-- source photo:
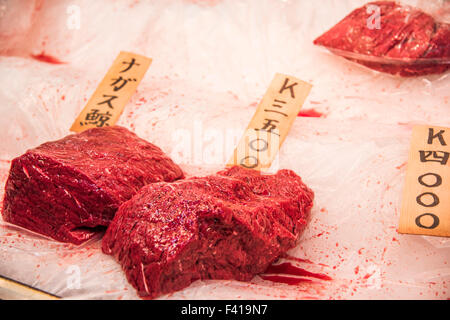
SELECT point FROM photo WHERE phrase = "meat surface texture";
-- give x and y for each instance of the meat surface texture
(406, 42)
(65, 189)
(231, 225)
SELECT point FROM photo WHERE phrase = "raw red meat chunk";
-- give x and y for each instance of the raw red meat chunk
(67, 188)
(231, 225)
(409, 42)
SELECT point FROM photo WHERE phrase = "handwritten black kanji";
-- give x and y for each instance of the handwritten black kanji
(269, 125)
(130, 65)
(441, 157)
(96, 118)
(122, 82)
(108, 101)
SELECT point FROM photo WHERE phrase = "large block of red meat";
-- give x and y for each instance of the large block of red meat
(231, 225)
(65, 189)
(406, 41)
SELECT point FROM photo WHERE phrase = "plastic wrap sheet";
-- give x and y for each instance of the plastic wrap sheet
(213, 60)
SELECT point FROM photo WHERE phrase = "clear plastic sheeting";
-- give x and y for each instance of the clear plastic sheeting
(212, 62)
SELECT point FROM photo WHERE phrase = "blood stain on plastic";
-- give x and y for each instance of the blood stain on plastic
(289, 269)
(310, 113)
(42, 57)
(286, 280)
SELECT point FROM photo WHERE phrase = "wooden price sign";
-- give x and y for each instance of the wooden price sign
(14, 290)
(271, 122)
(426, 195)
(113, 93)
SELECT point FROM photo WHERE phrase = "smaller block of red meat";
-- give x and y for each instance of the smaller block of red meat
(409, 42)
(65, 189)
(231, 225)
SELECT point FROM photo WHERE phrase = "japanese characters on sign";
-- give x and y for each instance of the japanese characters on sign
(270, 124)
(426, 196)
(109, 99)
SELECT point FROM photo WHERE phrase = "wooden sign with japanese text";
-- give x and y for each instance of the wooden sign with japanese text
(270, 124)
(426, 195)
(109, 99)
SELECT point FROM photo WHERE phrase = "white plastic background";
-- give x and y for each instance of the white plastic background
(212, 62)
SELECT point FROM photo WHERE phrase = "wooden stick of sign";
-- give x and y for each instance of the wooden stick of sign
(426, 195)
(271, 123)
(14, 290)
(113, 93)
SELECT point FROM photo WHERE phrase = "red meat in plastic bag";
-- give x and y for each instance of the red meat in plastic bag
(408, 42)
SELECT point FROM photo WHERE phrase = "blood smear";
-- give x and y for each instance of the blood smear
(310, 113)
(289, 257)
(46, 58)
(287, 268)
(286, 280)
